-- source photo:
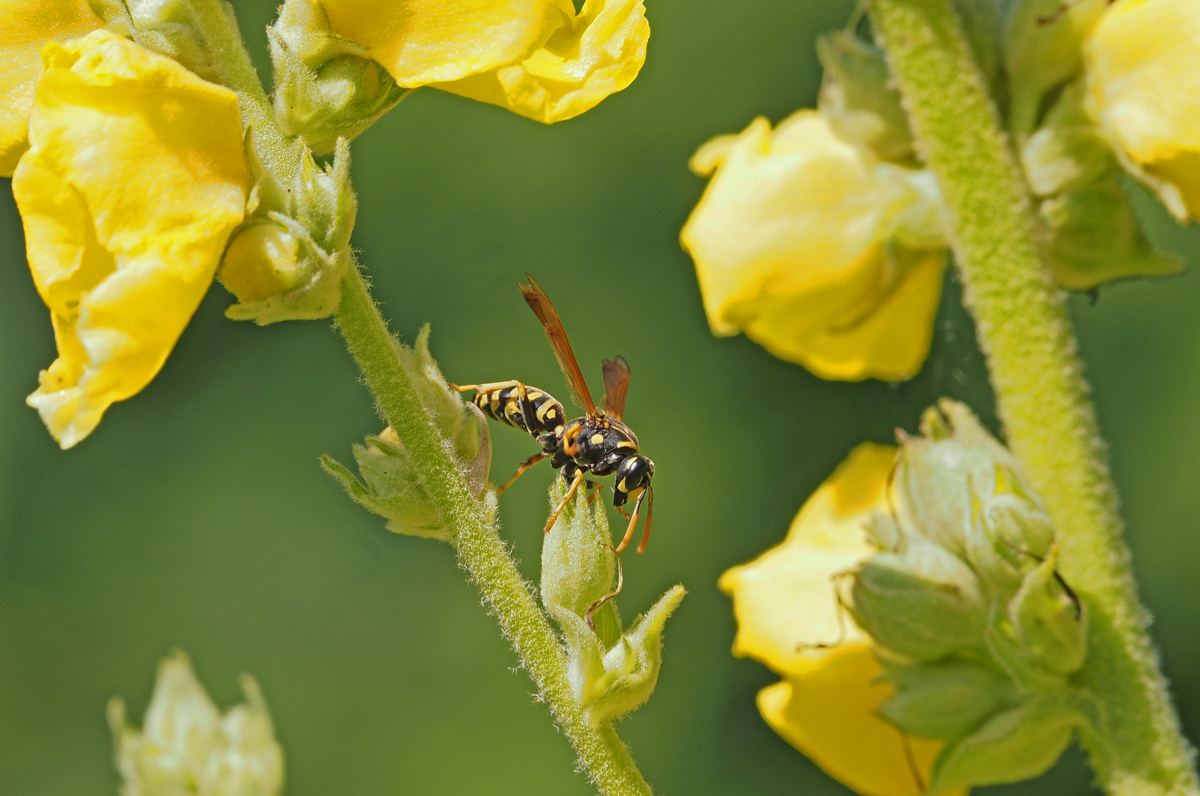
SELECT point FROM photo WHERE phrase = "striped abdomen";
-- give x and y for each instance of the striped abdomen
(504, 404)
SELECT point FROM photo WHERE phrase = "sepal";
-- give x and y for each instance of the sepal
(187, 747)
(1049, 620)
(858, 100)
(944, 700)
(288, 260)
(326, 87)
(389, 484)
(612, 672)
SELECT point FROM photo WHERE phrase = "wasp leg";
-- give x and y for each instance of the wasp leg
(575, 482)
(530, 462)
(632, 523)
(607, 597)
(649, 518)
(596, 485)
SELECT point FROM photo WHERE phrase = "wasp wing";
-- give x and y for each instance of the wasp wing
(616, 386)
(539, 302)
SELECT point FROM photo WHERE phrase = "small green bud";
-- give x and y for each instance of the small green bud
(326, 87)
(1013, 745)
(390, 484)
(944, 700)
(858, 100)
(288, 259)
(1049, 621)
(163, 26)
(1067, 151)
(922, 602)
(187, 747)
(1043, 43)
(611, 672)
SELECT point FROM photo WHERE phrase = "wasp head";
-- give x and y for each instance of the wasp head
(633, 475)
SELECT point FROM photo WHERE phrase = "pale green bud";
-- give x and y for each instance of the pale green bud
(164, 26)
(186, 748)
(1067, 151)
(289, 257)
(858, 100)
(1013, 745)
(326, 87)
(611, 672)
(943, 700)
(1049, 621)
(1043, 43)
(922, 602)
(390, 484)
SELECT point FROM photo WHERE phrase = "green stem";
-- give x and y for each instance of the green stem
(1135, 745)
(478, 545)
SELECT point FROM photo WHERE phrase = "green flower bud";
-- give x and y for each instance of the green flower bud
(1013, 745)
(162, 26)
(922, 602)
(944, 700)
(1043, 43)
(288, 259)
(1049, 621)
(611, 672)
(187, 747)
(326, 87)
(391, 484)
(858, 100)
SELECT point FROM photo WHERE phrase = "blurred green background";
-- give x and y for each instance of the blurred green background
(197, 515)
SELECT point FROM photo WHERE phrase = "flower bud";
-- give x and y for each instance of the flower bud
(1042, 48)
(858, 100)
(1013, 745)
(326, 87)
(943, 700)
(390, 484)
(288, 260)
(923, 602)
(187, 747)
(611, 672)
(1049, 620)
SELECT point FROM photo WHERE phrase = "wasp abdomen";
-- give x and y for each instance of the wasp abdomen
(504, 404)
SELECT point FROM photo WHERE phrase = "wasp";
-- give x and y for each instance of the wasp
(597, 444)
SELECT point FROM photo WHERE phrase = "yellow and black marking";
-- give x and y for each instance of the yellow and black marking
(534, 411)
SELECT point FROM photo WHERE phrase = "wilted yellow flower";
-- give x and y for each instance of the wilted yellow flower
(134, 179)
(817, 251)
(1143, 75)
(26, 25)
(538, 58)
(786, 607)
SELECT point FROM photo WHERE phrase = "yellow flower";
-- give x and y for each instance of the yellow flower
(786, 605)
(25, 25)
(817, 251)
(134, 179)
(538, 58)
(1143, 75)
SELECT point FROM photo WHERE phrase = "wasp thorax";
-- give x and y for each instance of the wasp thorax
(633, 476)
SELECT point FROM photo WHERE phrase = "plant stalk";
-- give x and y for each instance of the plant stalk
(478, 545)
(1134, 743)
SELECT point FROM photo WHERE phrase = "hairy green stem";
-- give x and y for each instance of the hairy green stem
(1134, 743)
(478, 545)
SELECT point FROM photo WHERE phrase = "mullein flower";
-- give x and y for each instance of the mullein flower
(918, 593)
(817, 250)
(790, 617)
(25, 26)
(538, 58)
(187, 748)
(1142, 59)
(135, 177)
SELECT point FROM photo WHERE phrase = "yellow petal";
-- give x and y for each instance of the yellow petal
(829, 715)
(789, 244)
(427, 41)
(25, 25)
(784, 600)
(586, 58)
(1143, 60)
(135, 177)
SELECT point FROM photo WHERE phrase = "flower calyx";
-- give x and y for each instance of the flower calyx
(326, 87)
(288, 259)
(187, 746)
(858, 99)
(612, 671)
(390, 484)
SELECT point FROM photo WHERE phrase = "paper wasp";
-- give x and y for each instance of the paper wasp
(598, 443)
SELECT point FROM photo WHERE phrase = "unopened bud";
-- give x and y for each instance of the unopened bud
(857, 99)
(944, 700)
(1049, 620)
